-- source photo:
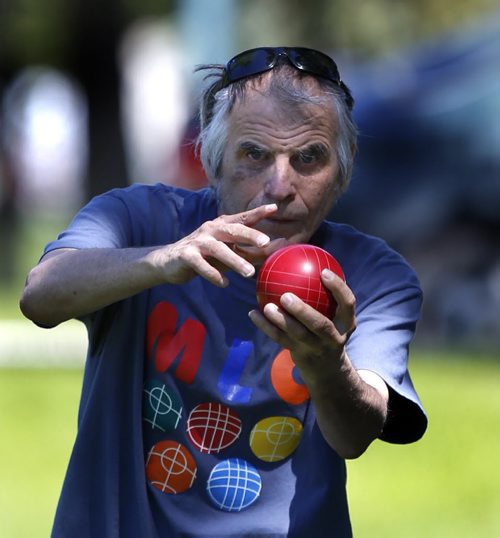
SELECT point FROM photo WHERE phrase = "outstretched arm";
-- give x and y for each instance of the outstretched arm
(351, 405)
(69, 283)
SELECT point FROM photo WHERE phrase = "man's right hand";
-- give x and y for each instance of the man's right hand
(229, 242)
(71, 283)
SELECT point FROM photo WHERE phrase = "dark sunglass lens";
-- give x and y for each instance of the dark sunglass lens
(250, 63)
(314, 62)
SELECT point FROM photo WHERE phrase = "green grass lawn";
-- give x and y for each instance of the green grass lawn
(38, 413)
(446, 485)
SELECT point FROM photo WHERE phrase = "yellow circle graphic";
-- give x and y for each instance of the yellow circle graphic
(275, 438)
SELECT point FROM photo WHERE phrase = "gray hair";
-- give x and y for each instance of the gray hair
(217, 103)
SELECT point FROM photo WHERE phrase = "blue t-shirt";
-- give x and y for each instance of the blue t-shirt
(192, 422)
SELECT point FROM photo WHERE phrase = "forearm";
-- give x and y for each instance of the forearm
(350, 411)
(71, 283)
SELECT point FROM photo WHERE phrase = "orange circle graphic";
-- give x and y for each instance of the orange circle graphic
(170, 467)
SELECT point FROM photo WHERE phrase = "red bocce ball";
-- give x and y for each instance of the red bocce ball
(297, 269)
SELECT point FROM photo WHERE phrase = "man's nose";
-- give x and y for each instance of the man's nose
(280, 184)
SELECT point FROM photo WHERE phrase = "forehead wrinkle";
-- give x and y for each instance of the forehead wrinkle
(262, 132)
(266, 125)
(260, 118)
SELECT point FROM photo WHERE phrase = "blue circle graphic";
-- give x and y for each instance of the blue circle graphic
(234, 485)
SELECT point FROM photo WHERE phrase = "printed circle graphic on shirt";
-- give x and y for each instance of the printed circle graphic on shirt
(275, 438)
(170, 467)
(161, 407)
(211, 427)
(234, 485)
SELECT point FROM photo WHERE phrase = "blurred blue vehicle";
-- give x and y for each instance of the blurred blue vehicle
(427, 176)
(429, 147)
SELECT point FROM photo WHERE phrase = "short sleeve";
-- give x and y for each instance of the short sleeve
(389, 301)
(103, 223)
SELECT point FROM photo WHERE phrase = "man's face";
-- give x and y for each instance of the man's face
(284, 156)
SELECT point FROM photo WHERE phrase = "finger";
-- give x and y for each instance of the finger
(238, 228)
(312, 329)
(253, 216)
(223, 257)
(257, 255)
(293, 334)
(207, 270)
(264, 323)
(310, 322)
(231, 232)
(345, 316)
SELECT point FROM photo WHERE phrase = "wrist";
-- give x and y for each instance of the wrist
(324, 374)
(155, 263)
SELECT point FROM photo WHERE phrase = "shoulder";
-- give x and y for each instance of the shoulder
(354, 247)
(153, 206)
(371, 266)
(159, 194)
(138, 215)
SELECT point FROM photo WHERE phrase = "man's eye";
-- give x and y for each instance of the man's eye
(307, 157)
(311, 157)
(255, 154)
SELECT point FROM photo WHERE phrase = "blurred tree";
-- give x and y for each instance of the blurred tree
(364, 28)
(91, 57)
(9, 65)
(8, 215)
(82, 38)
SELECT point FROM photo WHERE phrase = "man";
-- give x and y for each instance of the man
(201, 415)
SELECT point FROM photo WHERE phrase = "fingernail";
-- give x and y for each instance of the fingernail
(270, 307)
(248, 270)
(263, 240)
(271, 207)
(329, 275)
(287, 299)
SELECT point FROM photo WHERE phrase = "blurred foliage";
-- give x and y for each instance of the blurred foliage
(33, 31)
(364, 28)
(149, 8)
(41, 32)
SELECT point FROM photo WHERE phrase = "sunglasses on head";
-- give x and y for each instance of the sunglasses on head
(255, 61)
